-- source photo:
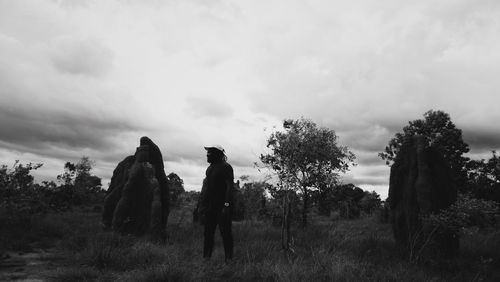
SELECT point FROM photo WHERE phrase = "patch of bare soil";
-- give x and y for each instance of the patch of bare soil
(28, 266)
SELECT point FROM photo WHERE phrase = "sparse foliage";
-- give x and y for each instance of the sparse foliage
(79, 184)
(347, 199)
(254, 197)
(19, 196)
(176, 185)
(484, 178)
(303, 156)
(18, 177)
(239, 205)
(67, 177)
(370, 202)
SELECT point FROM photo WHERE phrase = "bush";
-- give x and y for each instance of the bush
(466, 212)
(439, 235)
(27, 209)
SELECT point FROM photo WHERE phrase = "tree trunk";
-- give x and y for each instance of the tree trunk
(283, 224)
(286, 222)
(304, 209)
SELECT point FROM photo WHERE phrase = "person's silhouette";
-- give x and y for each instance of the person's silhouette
(217, 201)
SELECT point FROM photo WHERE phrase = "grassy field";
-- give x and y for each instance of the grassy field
(328, 250)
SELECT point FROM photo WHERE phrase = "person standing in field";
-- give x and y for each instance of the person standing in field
(217, 201)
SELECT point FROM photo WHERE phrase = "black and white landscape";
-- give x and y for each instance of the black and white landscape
(317, 105)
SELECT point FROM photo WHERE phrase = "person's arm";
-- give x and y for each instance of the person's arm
(229, 186)
(229, 193)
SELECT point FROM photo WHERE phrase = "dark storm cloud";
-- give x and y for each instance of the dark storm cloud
(37, 131)
(479, 139)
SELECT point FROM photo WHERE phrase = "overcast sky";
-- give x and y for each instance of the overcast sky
(91, 77)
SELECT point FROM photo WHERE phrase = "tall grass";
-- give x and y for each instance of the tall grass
(341, 250)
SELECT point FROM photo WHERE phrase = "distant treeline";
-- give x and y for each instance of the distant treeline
(304, 159)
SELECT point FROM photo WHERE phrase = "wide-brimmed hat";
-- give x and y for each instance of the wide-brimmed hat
(217, 147)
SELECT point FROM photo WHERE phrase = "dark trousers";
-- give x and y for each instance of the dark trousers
(223, 219)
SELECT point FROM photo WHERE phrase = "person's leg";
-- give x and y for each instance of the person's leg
(210, 225)
(227, 234)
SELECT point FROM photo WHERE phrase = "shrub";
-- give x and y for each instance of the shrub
(466, 212)
(439, 235)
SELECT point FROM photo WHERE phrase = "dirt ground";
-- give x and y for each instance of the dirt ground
(28, 266)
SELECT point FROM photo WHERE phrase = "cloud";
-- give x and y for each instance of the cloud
(86, 57)
(91, 77)
(208, 107)
(377, 66)
(34, 129)
(482, 140)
